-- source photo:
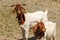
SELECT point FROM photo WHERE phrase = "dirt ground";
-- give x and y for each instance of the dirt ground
(9, 28)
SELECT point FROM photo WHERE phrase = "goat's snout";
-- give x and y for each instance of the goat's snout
(19, 11)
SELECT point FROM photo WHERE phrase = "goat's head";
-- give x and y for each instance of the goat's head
(39, 29)
(18, 9)
(40, 26)
(20, 12)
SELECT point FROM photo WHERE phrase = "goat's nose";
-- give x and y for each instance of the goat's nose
(19, 11)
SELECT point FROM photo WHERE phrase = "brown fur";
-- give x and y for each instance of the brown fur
(38, 30)
(20, 13)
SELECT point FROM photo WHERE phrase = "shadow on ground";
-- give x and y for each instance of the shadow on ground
(32, 38)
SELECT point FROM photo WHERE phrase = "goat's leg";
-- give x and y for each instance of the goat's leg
(26, 33)
(53, 37)
(23, 32)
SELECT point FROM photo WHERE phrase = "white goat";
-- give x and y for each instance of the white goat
(32, 18)
(50, 32)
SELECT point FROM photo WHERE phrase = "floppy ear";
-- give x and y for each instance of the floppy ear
(14, 10)
(23, 10)
(35, 28)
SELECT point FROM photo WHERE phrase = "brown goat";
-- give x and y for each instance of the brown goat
(20, 13)
(39, 30)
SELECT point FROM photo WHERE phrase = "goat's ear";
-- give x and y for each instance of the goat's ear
(14, 8)
(24, 11)
(35, 28)
(14, 11)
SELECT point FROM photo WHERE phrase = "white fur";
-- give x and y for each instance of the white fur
(32, 18)
(50, 30)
